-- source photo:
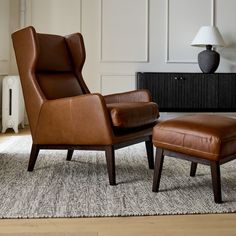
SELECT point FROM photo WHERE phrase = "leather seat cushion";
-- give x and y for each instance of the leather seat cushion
(130, 115)
(211, 137)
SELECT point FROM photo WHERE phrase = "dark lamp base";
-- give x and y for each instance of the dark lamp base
(208, 61)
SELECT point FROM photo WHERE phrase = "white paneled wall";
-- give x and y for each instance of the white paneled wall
(117, 83)
(4, 36)
(184, 21)
(126, 36)
(55, 16)
(226, 19)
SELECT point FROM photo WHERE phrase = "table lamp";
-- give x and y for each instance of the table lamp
(208, 59)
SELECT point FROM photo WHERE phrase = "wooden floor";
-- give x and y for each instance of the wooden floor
(210, 225)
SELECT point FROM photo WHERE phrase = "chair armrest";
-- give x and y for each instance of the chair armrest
(131, 96)
(79, 120)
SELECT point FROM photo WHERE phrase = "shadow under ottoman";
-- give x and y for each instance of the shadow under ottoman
(205, 139)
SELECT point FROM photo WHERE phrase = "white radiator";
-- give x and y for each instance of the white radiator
(12, 104)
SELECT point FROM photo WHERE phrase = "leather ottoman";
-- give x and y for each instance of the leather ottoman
(205, 139)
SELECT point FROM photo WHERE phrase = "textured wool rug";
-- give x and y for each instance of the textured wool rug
(58, 188)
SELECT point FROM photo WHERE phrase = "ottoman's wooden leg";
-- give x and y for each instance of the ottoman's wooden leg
(216, 182)
(193, 169)
(157, 169)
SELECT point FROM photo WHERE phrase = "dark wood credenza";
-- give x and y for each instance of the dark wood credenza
(190, 92)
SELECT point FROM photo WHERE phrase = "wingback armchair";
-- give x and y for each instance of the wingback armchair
(62, 112)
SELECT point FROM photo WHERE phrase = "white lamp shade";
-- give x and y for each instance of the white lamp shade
(208, 35)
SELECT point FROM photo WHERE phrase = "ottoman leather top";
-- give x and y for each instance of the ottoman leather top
(212, 137)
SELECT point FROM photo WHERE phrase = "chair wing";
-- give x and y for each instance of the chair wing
(26, 51)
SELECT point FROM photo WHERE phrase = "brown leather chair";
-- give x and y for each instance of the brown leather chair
(62, 112)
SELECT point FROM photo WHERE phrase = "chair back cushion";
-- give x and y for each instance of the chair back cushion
(54, 68)
(59, 85)
(53, 54)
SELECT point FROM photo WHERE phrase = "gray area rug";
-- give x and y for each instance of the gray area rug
(58, 188)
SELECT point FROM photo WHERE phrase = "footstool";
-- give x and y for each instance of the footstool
(205, 139)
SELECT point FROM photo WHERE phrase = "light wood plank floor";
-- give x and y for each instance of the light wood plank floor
(210, 225)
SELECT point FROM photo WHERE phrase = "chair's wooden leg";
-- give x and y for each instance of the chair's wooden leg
(33, 156)
(157, 169)
(193, 169)
(110, 158)
(150, 156)
(69, 154)
(216, 182)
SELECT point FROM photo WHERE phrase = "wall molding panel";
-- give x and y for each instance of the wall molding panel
(116, 83)
(178, 49)
(213, 12)
(124, 38)
(54, 10)
(4, 36)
